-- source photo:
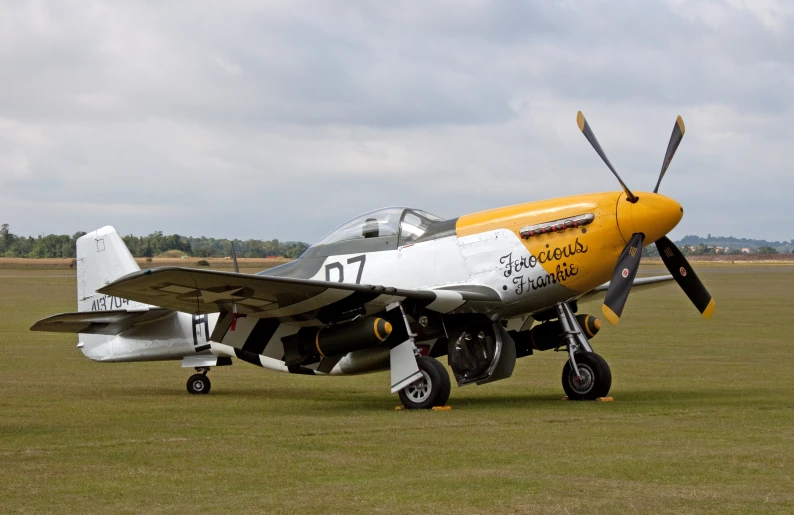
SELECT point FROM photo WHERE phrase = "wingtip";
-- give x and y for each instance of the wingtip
(580, 121)
(680, 122)
(709, 311)
(610, 315)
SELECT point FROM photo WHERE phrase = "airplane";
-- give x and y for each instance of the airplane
(395, 289)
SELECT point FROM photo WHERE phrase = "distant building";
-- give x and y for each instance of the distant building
(745, 250)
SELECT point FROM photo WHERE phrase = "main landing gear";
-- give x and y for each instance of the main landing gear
(593, 381)
(199, 383)
(431, 390)
(586, 375)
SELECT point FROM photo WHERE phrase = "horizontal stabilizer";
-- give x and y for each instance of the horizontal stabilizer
(109, 322)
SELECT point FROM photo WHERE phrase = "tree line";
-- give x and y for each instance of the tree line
(156, 243)
(701, 249)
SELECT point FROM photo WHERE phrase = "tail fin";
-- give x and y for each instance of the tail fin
(102, 257)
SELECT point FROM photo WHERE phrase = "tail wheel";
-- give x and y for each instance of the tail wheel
(432, 389)
(198, 384)
(594, 381)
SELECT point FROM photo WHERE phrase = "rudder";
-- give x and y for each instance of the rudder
(102, 257)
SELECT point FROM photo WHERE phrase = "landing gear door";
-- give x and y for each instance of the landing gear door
(481, 354)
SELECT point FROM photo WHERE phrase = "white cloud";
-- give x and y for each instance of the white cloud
(282, 119)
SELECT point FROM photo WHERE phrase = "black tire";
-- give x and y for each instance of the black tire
(432, 390)
(199, 384)
(596, 377)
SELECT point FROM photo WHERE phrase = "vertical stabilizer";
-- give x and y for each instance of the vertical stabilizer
(102, 257)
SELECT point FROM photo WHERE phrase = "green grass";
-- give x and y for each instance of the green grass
(702, 421)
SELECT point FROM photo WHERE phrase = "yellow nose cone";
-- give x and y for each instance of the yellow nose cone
(653, 215)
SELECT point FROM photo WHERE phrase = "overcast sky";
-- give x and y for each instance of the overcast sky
(252, 119)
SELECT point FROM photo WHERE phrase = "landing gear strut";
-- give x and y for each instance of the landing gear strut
(586, 375)
(199, 383)
(431, 390)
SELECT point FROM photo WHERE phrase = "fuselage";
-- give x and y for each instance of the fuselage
(529, 256)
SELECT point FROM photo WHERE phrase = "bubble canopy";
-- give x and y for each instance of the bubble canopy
(404, 223)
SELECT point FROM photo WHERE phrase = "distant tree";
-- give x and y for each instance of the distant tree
(20, 247)
(51, 246)
(650, 251)
(154, 244)
(4, 238)
(766, 250)
(294, 249)
(702, 249)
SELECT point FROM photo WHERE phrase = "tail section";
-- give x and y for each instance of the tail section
(102, 257)
(113, 329)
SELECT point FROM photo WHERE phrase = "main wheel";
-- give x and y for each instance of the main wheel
(595, 377)
(431, 390)
(198, 383)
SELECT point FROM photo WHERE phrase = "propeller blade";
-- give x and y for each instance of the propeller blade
(588, 133)
(235, 315)
(675, 139)
(686, 278)
(234, 258)
(622, 279)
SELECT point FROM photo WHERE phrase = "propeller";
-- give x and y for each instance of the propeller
(235, 316)
(234, 259)
(588, 133)
(686, 278)
(622, 279)
(675, 139)
(629, 260)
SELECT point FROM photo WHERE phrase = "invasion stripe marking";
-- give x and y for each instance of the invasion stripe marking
(248, 357)
(261, 334)
(446, 301)
(316, 302)
(346, 308)
(297, 369)
(222, 325)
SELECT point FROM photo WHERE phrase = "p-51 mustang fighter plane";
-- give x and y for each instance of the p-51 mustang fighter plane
(395, 289)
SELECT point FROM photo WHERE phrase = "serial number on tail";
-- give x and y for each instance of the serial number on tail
(107, 302)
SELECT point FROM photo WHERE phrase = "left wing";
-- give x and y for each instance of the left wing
(641, 283)
(207, 291)
(99, 322)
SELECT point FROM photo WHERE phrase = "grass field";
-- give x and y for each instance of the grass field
(702, 422)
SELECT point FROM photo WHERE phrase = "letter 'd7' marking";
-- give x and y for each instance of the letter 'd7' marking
(338, 266)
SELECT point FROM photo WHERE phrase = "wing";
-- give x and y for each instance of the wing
(207, 291)
(640, 283)
(99, 322)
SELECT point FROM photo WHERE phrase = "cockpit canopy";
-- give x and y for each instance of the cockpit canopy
(382, 229)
